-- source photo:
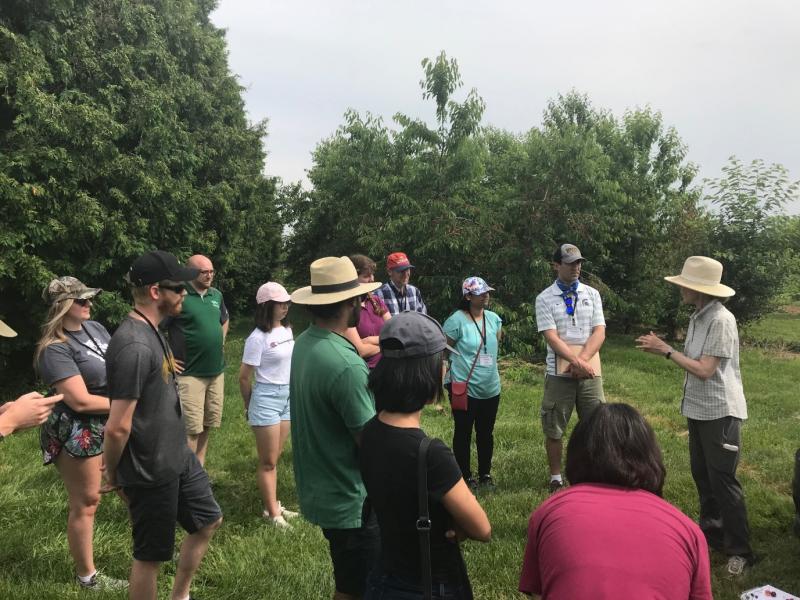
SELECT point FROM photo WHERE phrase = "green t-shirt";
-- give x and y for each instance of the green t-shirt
(485, 380)
(329, 402)
(195, 335)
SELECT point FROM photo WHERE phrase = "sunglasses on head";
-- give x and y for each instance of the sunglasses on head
(178, 288)
(81, 301)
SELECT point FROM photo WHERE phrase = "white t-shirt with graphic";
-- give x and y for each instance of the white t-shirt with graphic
(271, 354)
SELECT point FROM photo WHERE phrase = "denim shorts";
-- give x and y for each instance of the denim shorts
(269, 404)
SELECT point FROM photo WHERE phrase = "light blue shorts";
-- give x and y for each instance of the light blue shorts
(269, 404)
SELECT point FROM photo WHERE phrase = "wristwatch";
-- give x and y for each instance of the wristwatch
(669, 353)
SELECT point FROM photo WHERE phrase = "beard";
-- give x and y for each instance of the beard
(170, 308)
(355, 316)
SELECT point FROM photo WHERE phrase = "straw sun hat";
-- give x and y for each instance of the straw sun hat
(702, 274)
(332, 280)
(6, 331)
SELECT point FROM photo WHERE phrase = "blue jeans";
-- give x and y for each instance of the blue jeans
(392, 587)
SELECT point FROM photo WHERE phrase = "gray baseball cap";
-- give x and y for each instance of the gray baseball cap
(412, 335)
(567, 253)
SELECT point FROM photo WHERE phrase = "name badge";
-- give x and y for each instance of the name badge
(485, 360)
(574, 332)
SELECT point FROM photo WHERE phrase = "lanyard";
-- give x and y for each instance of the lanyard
(396, 293)
(167, 353)
(96, 348)
(482, 334)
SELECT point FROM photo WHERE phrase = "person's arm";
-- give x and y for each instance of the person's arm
(578, 366)
(470, 519)
(117, 432)
(245, 384)
(225, 319)
(593, 344)
(29, 410)
(387, 315)
(78, 398)
(365, 348)
(703, 368)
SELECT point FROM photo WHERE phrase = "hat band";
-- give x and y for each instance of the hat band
(698, 280)
(334, 287)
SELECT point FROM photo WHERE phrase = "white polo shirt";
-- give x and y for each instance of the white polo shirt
(551, 313)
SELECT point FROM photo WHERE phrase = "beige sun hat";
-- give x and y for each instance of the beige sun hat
(332, 280)
(6, 331)
(702, 274)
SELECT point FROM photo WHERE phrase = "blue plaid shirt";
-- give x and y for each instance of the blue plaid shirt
(397, 302)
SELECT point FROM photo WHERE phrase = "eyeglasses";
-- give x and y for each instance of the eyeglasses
(82, 301)
(178, 289)
(207, 271)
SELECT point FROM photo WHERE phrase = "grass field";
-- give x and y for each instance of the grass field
(249, 559)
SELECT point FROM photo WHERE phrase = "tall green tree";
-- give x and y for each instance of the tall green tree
(749, 234)
(122, 130)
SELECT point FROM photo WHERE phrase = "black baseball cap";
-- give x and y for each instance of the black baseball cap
(156, 266)
(412, 334)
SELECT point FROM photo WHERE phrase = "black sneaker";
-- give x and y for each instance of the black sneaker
(472, 484)
(555, 485)
(486, 483)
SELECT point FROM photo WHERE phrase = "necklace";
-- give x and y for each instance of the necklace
(96, 348)
(167, 353)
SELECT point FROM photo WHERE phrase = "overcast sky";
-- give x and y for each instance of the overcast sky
(723, 73)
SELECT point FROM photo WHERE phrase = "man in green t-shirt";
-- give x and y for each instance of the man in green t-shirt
(197, 336)
(330, 404)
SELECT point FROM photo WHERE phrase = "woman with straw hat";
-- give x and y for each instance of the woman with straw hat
(714, 406)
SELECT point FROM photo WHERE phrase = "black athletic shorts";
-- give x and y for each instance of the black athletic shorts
(187, 500)
(354, 553)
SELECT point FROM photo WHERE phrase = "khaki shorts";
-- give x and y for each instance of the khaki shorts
(561, 395)
(201, 401)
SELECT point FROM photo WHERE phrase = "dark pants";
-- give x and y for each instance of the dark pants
(481, 414)
(392, 587)
(354, 552)
(714, 448)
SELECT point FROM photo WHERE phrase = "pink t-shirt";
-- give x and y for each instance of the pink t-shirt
(370, 324)
(602, 541)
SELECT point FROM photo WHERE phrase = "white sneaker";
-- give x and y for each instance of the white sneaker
(286, 513)
(100, 582)
(278, 521)
(736, 566)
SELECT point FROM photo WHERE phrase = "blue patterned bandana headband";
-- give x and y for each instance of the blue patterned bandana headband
(567, 291)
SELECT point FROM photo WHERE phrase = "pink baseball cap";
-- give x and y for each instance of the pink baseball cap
(272, 291)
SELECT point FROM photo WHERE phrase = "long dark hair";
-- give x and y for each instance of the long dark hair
(615, 445)
(263, 318)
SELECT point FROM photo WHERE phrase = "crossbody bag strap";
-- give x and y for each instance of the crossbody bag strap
(424, 520)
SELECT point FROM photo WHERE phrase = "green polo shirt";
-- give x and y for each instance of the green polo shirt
(196, 333)
(329, 402)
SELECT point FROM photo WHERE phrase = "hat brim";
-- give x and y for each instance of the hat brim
(568, 260)
(717, 290)
(6, 331)
(306, 296)
(488, 289)
(282, 298)
(401, 268)
(87, 293)
(184, 274)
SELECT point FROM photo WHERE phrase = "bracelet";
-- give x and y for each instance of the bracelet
(668, 354)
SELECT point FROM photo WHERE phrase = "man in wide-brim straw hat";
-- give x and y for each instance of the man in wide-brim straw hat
(714, 406)
(330, 404)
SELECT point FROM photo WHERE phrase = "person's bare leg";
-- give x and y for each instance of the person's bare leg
(81, 478)
(554, 449)
(193, 549)
(268, 446)
(202, 445)
(144, 576)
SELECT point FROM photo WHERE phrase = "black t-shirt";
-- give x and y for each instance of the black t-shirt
(156, 451)
(388, 461)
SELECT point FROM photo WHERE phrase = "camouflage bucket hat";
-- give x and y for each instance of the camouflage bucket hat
(65, 288)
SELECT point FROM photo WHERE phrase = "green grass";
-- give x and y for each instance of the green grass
(248, 559)
(780, 330)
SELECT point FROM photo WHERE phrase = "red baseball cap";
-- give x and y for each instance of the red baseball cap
(398, 261)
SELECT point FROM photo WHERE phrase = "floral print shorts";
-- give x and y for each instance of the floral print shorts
(80, 435)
